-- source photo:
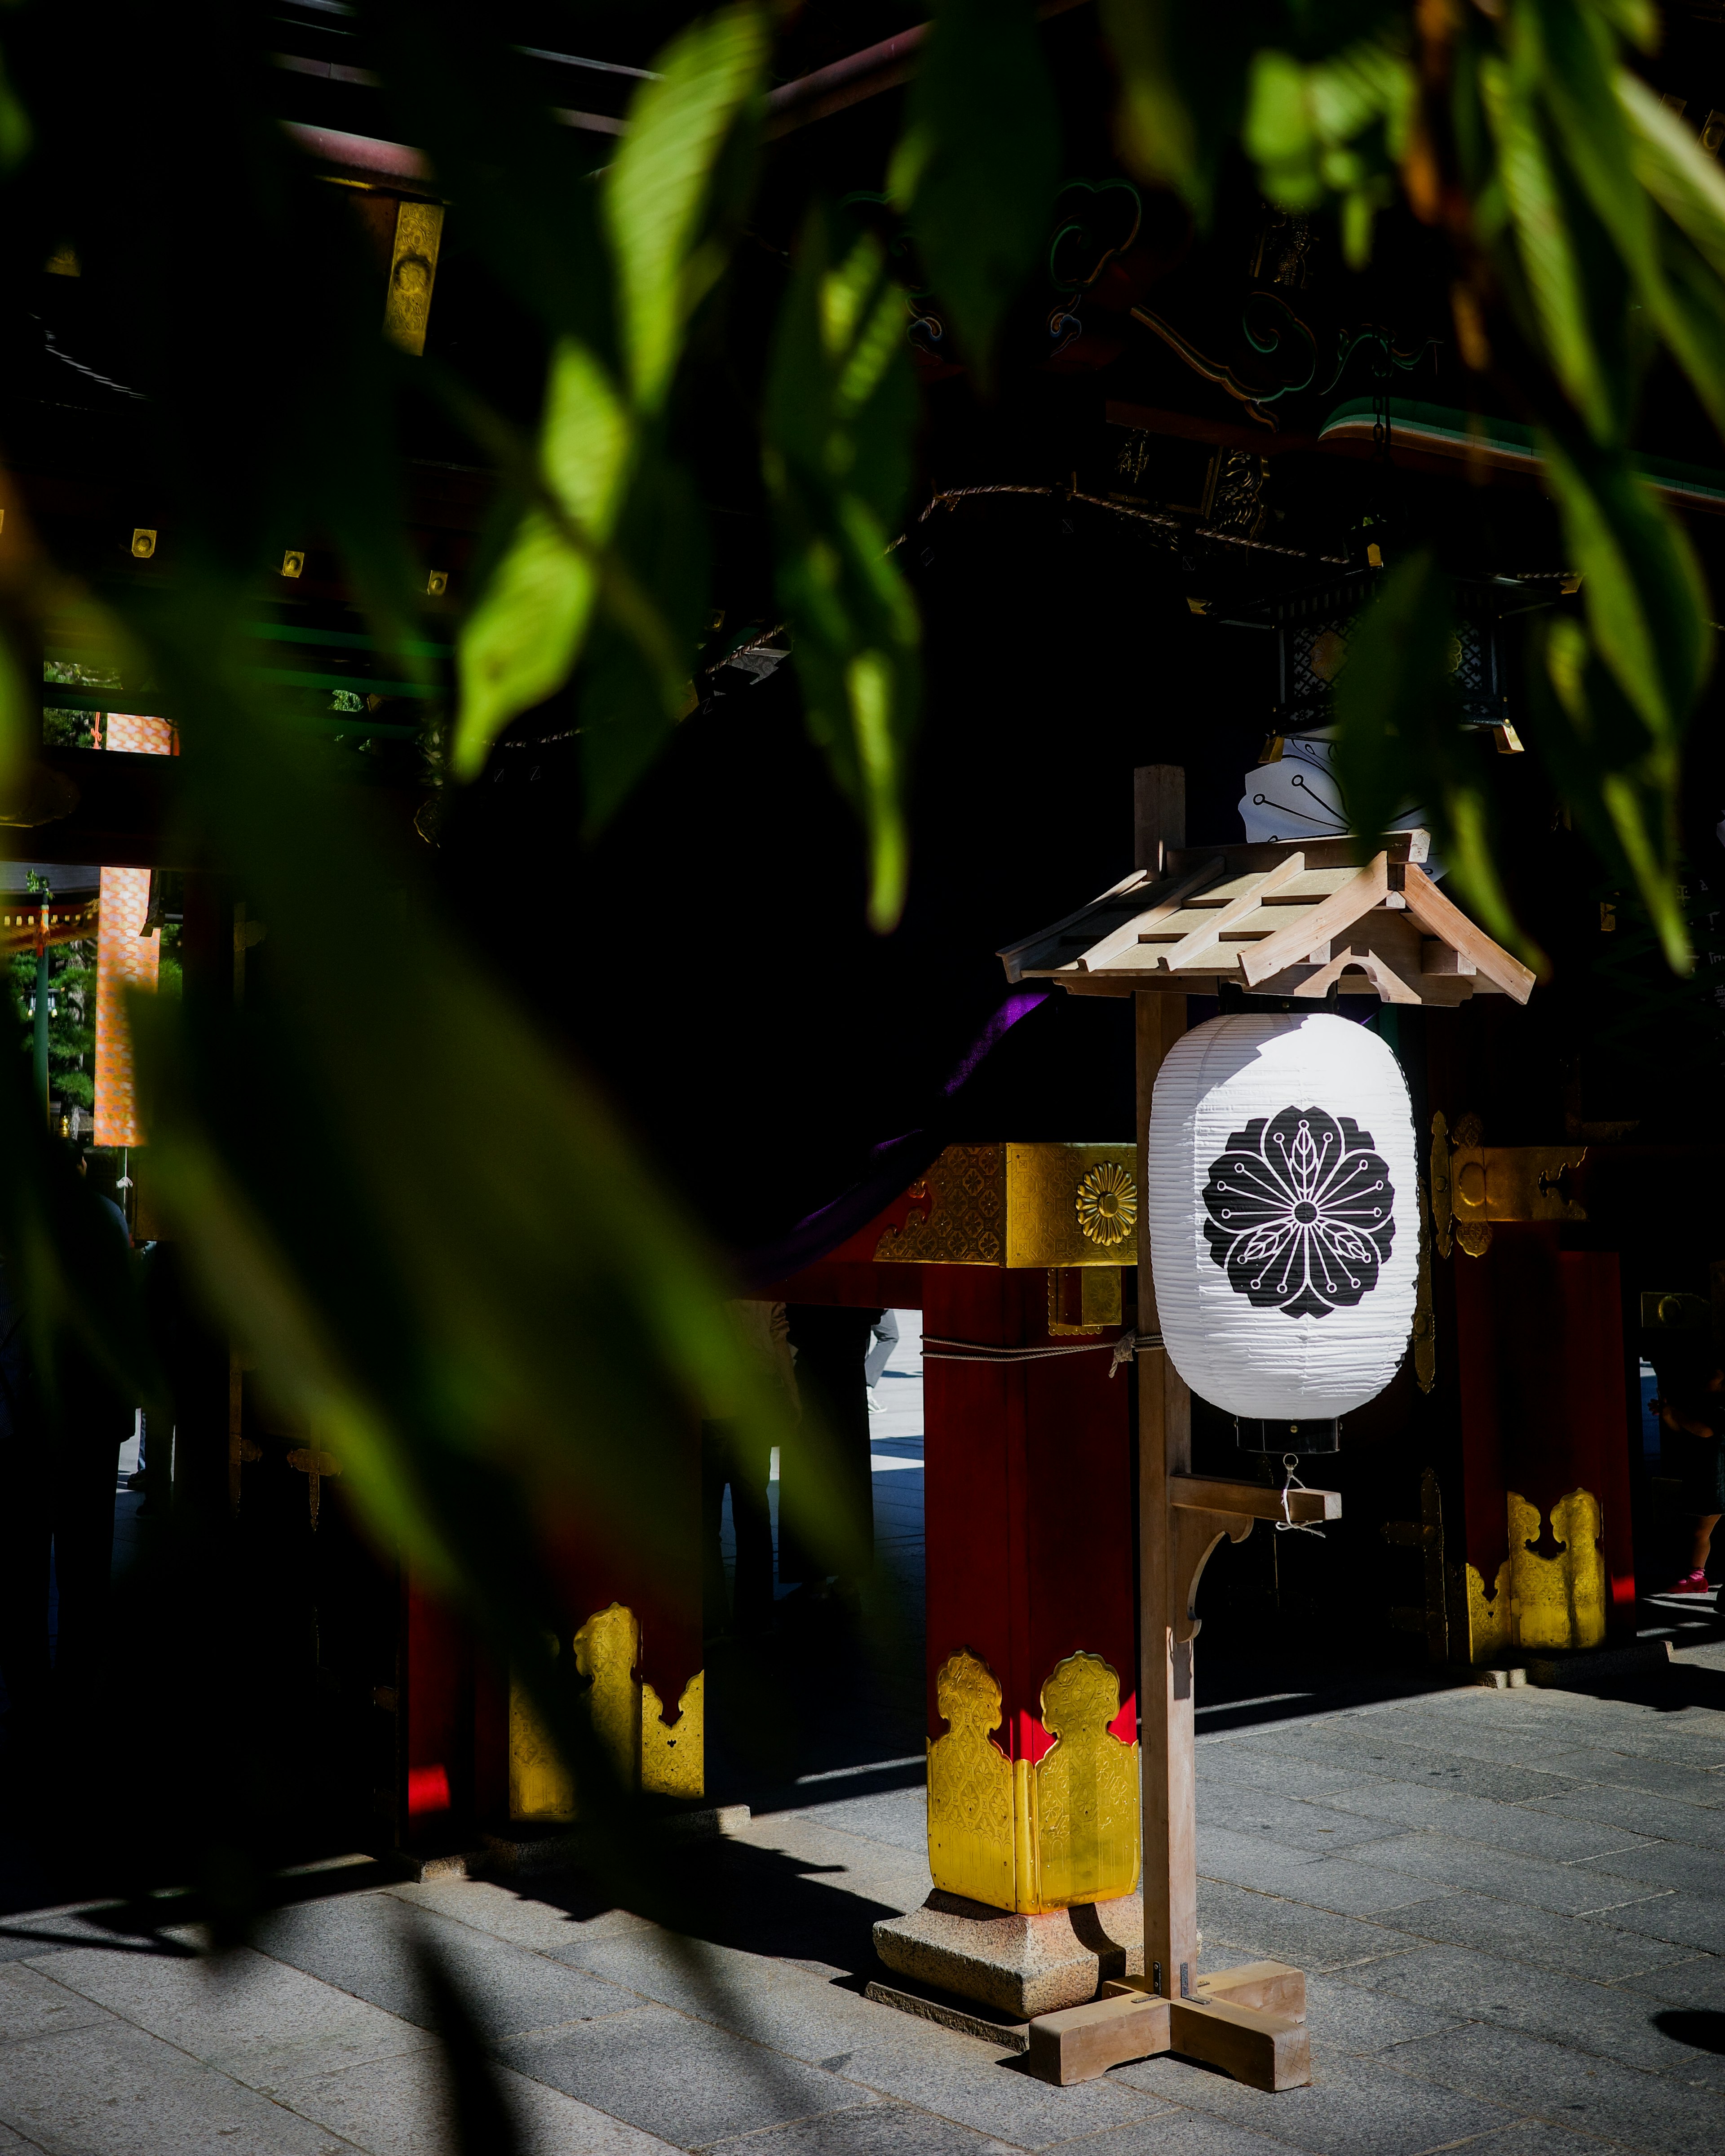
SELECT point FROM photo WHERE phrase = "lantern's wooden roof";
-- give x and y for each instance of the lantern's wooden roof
(1289, 918)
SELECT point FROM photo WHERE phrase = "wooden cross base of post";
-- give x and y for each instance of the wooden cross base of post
(1250, 2022)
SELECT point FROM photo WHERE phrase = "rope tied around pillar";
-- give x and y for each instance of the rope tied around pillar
(1124, 1345)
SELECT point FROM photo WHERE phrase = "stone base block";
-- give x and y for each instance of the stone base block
(1021, 1966)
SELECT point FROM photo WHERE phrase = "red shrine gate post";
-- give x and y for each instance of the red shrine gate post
(1016, 1255)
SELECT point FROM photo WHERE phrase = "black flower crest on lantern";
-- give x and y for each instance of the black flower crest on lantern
(1302, 1212)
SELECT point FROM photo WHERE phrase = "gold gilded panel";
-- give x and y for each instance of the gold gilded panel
(1086, 1790)
(971, 1812)
(412, 272)
(1026, 1838)
(963, 1222)
(1022, 1206)
(663, 1759)
(1083, 1300)
(541, 1787)
(607, 1648)
(1560, 1600)
(673, 1759)
(1488, 1619)
(1071, 1204)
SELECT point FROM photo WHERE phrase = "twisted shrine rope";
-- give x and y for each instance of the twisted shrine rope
(1124, 1345)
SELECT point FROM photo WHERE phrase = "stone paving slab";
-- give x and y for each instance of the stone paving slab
(1642, 1811)
(112, 2090)
(1655, 2112)
(29, 1936)
(1348, 1887)
(1693, 1920)
(1615, 2023)
(1666, 1864)
(1443, 1860)
(1294, 1822)
(400, 2107)
(535, 1917)
(1354, 2018)
(988, 2088)
(897, 1817)
(241, 2013)
(1696, 1984)
(1185, 2134)
(1527, 1829)
(683, 2079)
(871, 2129)
(1421, 1765)
(361, 1943)
(1643, 1770)
(1355, 2106)
(1519, 1933)
(31, 2005)
(1266, 1927)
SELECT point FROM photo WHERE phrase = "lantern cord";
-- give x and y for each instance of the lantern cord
(1286, 1525)
(938, 1350)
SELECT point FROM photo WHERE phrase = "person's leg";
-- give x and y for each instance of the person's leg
(1694, 1580)
(880, 1354)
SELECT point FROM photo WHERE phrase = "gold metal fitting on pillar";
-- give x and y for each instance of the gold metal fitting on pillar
(1023, 1207)
(1475, 1185)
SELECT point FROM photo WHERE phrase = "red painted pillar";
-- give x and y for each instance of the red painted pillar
(1545, 1443)
(1029, 1539)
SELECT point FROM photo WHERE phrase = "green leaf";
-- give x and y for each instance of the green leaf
(520, 642)
(1541, 221)
(655, 197)
(1339, 125)
(624, 718)
(534, 1316)
(1627, 689)
(1576, 64)
(1182, 85)
(1401, 736)
(1671, 164)
(1642, 586)
(840, 413)
(977, 168)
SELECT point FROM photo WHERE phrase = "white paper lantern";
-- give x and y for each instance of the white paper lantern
(1284, 1215)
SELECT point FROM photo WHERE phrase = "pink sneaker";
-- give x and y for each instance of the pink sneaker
(1692, 1583)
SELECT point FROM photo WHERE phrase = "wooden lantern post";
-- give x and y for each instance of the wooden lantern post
(1286, 920)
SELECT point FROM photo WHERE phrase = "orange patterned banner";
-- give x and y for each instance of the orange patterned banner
(125, 959)
(128, 734)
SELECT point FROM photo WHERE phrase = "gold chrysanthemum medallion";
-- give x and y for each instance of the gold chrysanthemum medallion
(1107, 1205)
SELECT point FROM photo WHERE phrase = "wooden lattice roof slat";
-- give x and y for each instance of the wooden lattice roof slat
(1288, 918)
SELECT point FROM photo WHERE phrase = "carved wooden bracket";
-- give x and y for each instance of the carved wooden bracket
(1201, 1511)
(1193, 1536)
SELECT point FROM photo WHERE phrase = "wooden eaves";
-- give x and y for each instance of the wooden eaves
(1288, 918)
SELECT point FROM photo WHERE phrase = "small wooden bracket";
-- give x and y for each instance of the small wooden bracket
(1250, 2022)
(1201, 1511)
(1198, 1493)
(1192, 1535)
